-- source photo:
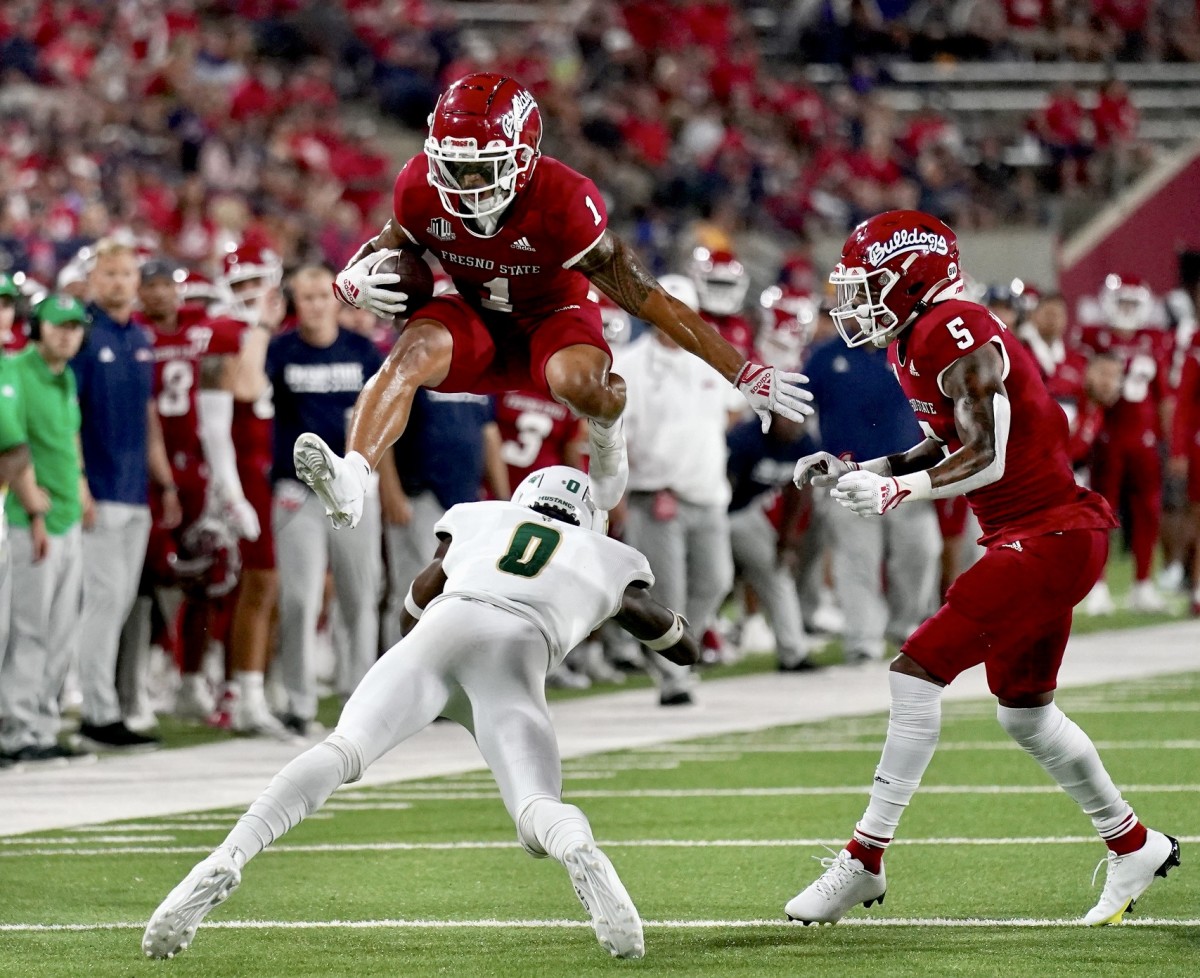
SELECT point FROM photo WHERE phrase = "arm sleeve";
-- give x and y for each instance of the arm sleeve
(581, 221)
(215, 408)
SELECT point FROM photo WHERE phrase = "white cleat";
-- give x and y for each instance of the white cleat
(173, 926)
(844, 883)
(614, 917)
(328, 475)
(195, 700)
(251, 721)
(608, 463)
(1128, 877)
(1099, 600)
(1145, 597)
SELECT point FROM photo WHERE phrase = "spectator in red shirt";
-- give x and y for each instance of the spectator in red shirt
(1065, 130)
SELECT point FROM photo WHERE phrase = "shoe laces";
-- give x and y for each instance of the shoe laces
(1111, 860)
(838, 873)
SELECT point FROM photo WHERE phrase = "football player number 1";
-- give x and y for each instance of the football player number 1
(962, 336)
(530, 549)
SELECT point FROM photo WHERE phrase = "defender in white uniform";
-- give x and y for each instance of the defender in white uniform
(513, 588)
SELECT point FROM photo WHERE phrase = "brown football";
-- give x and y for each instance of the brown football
(416, 277)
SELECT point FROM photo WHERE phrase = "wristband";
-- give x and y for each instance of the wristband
(411, 606)
(918, 485)
(668, 638)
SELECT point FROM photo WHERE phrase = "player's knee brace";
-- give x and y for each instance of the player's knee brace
(350, 754)
(525, 830)
(1034, 729)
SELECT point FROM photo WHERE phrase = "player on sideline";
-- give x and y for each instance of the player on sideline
(520, 234)
(514, 586)
(994, 434)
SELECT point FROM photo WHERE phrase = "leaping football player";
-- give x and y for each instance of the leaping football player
(521, 234)
(514, 586)
(994, 435)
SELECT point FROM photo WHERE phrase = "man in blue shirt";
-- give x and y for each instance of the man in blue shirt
(122, 451)
(862, 411)
(760, 469)
(316, 372)
(450, 447)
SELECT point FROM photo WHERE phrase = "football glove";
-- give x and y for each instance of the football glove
(822, 470)
(868, 494)
(356, 285)
(770, 389)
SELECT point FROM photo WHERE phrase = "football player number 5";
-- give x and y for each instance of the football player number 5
(962, 336)
(530, 549)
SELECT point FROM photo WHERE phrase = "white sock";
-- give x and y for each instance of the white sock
(1068, 755)
(249, 686)
(294, 793)
(552, 827)
(912, 735)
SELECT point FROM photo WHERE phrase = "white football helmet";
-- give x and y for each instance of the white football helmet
(1127, 302)
(564, 490)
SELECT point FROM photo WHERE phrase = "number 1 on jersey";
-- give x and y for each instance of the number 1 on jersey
(530, 549)
(497, 298)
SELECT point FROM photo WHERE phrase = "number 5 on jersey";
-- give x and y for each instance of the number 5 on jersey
(530, 549)
(962, 335)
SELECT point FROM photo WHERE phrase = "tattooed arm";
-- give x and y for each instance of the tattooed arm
(613, 268)
(389, 239)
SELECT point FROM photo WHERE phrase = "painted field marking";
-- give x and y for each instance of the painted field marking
(715, 753)
(384, 800)
(71, 840)
(607, 844)
(492, 924)
(167, 826)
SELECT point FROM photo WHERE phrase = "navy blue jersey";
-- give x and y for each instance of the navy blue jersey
(441, 450)
(315, 389)
(759, 463)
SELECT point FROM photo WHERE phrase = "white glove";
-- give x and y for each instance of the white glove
(822, 469)
(233, 509)
(769, 389)
(868, 494)
(356, 286)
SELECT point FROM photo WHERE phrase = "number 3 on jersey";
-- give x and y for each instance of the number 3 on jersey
(530, 549)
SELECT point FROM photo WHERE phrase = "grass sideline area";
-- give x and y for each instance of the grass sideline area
(711, 837)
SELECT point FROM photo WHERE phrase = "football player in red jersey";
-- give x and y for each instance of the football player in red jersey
(195, 409)
(993, 434)
(535, 433)
(1185, 450)
(721, 284)
(249, 286)
(1126, 465)
(521, 234)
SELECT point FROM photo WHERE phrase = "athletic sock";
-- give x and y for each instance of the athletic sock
(558, 828)
(1068, 755)
(913, 727)
(294, 793)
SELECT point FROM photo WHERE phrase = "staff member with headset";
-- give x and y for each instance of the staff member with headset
(47, 548)
(122, 451)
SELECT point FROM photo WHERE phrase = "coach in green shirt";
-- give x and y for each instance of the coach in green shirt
(47, 551)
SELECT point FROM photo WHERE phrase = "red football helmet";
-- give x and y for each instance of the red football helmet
(1127, 302)
(721, 281)
(485, 126)
(248, 273)
(893, 267)
(208, 560)
(199, 290)
(788, 320)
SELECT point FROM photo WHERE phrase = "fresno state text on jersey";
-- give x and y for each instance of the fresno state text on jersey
(525, 268)
(1037, 494)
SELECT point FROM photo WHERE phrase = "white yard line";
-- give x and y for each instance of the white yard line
(492, 924)
(347, 847)
(229, 775)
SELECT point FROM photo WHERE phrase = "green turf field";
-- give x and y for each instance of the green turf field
(711, 837)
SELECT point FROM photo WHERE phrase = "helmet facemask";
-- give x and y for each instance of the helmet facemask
(861, 300)
(454, 162)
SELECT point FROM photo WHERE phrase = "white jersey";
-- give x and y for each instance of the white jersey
(564, 579)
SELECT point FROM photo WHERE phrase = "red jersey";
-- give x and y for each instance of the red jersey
(526, 267)
(1037, 494)
(735, 330)
(1061, 368)
(1146, 354)
(535, 432)
(177, 358)
(1185, 438)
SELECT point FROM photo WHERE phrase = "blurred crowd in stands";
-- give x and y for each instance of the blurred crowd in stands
(196, 125)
